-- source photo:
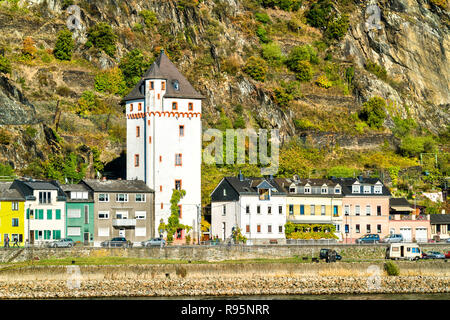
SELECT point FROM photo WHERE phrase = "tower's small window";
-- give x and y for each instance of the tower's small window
(139, 106)
(138, 131)
(163, 85)
(136, 160)
(152, 85)
(176, 85)
(174, 106)
(181, 131)
(190, 106)
(131, 107)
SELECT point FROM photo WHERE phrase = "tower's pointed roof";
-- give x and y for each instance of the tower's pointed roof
(177, 86)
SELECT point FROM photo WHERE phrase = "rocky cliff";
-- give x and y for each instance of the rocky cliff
(210, 42)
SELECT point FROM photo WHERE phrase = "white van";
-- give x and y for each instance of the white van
(410, 251)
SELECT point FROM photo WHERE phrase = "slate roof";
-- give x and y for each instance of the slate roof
(131, 186)
(67, 188)
(440, 218)
(249, 185)
(26, 188)
(8, 194)
(347, 184)
(163, 68)
(399, 202)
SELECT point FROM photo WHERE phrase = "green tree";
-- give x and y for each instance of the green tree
(337, 28)
(110, 81)
(6, 170)
(301, 53)
(256, 68)
(64, 45)
(319, 14)
(102, 37)
(133, 65)
(373, 112)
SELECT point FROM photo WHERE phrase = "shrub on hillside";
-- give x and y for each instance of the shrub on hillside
(286, 5)
(261, 32)
(337, 28)
(303, 71)
(412, 146)
(256, 68)
(373, 112)
(133, 65)
(102, 37)
(301, 53)
(319, 14)
(271, 52)
(110, 81)
(6, 170)
(376, 69)
(149, 18)
(28, 48)
(5, 65)
(64, 45)
(323, 82)
(262, 17)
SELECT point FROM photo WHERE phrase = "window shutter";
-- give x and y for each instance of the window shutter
(49, 214)
(58, 214)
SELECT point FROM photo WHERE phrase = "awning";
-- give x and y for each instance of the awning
(400, 208)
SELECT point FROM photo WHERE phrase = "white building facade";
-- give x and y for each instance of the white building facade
(164, 139)
(256, 206)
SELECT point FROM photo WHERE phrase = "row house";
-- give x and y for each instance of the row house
(365, 204)
(79, 213)
(402, 220)
(12, 223)
(122, 208)
(440, 226)
(44, 210)
(313, 201)
(257, 206)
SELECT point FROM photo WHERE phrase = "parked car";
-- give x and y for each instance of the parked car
(117, 242)
(432, 255)
(448, 240)
(324, 253)
(393, 238)
(155, 242)
(409, 251)
(369, 238)
(447, 255)
(62, 243)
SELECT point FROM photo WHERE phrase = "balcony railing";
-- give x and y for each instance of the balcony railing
(124, 222)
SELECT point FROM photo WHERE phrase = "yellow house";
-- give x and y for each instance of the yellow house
(12, 215)
(313, 201)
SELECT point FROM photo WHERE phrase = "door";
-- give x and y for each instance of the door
(86, 238)
(122, 233)
(406, 233)
(402, 251)
(223, 231)
(31, 237)
(421, 235)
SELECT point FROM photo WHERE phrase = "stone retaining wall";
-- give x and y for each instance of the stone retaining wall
(209, 253)
(220, 280)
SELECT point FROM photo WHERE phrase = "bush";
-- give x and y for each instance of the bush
(304, 71)
(102, 37)
(282, 97)
(271, 52)
(6, 170)
(231, 65)
(239, 123)
(149, 18)
(28, 48)
(286, 5)
(341, 172)
(301, 53)
(319, 14)
(323, 82)
(391, 268)
(261, 32)
(262, 17)
(5, 137)
(64, 45)
(337, 28)
(89, 104)
(412, 146)
(373, 112)
(110, 81)
(303, 124)
(376, 69)
(5, 65)
(256, 68)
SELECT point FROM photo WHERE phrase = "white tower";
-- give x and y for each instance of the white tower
(164, 140)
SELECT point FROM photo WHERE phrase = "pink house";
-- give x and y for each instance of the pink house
(365, 208)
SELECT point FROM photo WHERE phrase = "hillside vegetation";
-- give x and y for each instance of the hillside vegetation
(343, 105)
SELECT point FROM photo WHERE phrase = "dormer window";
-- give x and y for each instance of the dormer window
(378, 190)
(176, 85)
(224, 192)
(307, 190)
(324, 190)
(366, 189)
(337, 190)
(355, 188)
(264, 194)
(292, 190)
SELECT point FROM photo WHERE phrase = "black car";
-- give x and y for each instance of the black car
(117, 242)
(325, 254)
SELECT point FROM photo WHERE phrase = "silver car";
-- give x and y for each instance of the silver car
(393, 238)
(62, 243)
(155, 242)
